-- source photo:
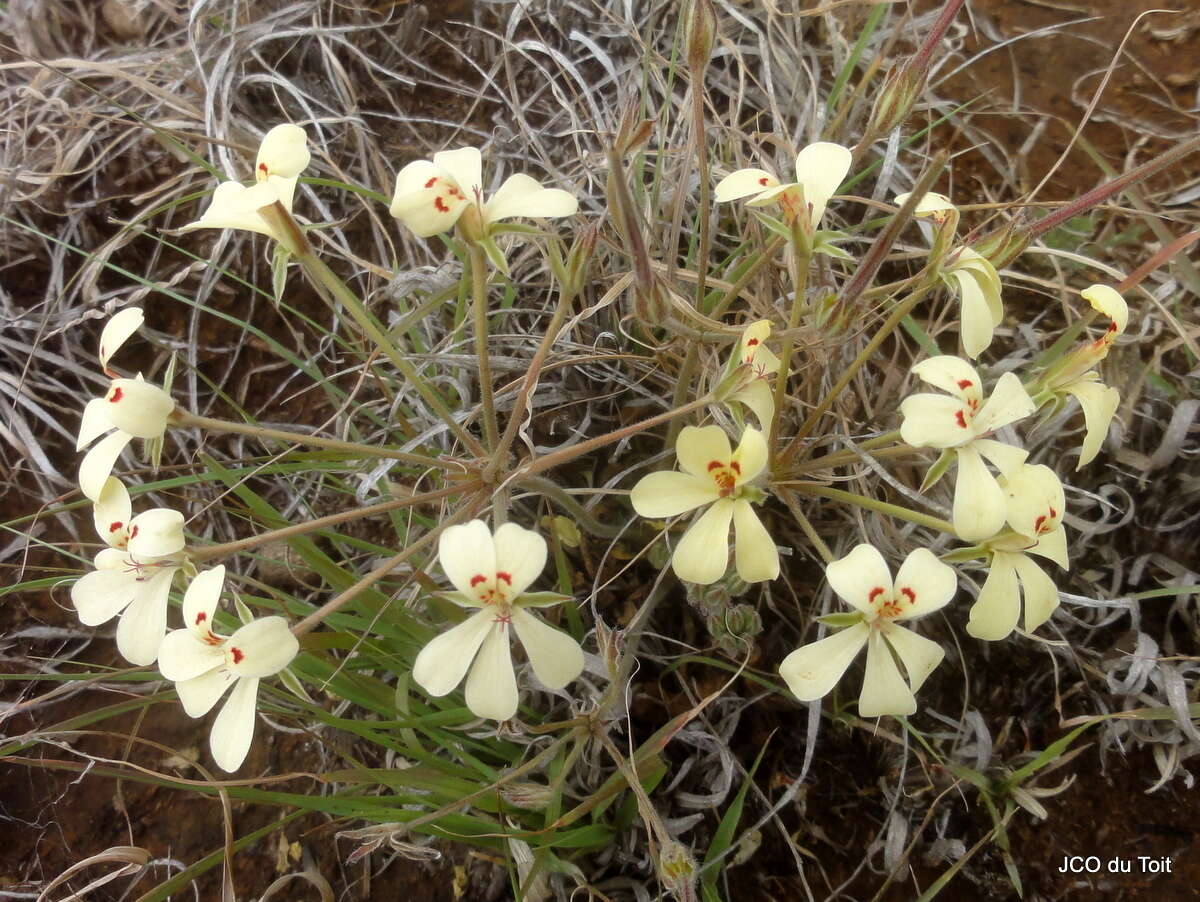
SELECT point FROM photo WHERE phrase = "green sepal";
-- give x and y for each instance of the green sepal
(540, 599)
(824, 243)
(492, 251)
(279, 266)
(938, 470)
(244, 613)
(292, 683)
(779, 228)
(514, 228)
(969, 553)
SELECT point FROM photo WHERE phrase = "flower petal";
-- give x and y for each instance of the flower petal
(1041, 595)
(556, 658)
(1007, 403)
(156, 533)
(199, 694)
(1099, 403)
(521, 553)
(978, 499)
(233, 729)
(182, 657)
(930, 202)
(821, 168)
(759, 397)
(698, 446)
(465, 166)
(976, 327)
(139, 408)
(925, 583)
(743, 183)
(857, 577)
(117, 331)
(491, 684)
(934, 421)
(703, 553)
(812, 670)
(1052, 546)
(1008, 459)
(920, 656)
(266, 646)
(143, 623)
(994, 614)
(102, 594)
(444, 661)
(521, 195)
(236, 206)
(750, 456)
(1106, 300)
(755, 554)
(98, 463)
(283, 152)
(94, 423)
(467, 551)
(951, 374)
(1035, 500)
(112, 512)
(884, 690)
(200, 601)
(668, 493)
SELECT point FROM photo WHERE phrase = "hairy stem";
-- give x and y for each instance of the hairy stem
(892, 510)
(480, 313)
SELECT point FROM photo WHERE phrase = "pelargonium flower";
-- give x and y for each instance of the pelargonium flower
(1035, 507)
(131, 408)
(1075, 376)
(203, 664)
(969, 275)
(960, 422)
(133, 575)
(714, 476)
(862, 579)
(820, 169)
(747, 376)
(282, 156)
(431, 196)
(492, 573)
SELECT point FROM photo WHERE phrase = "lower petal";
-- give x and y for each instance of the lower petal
(144, 623)
(183, 657)
(703, 553)
(994, 614)
(233, 729)
(812, 670)
(755, 554)
(1041, 595)
(200, 693)
(98, 463)
(884, 689)
(102, 594)
(920, 656)
(444, 661)
(668, 493)
(556, 658)
(492, 685)
(979, 507)
(976, 327)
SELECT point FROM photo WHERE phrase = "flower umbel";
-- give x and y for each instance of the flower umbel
(862, 579)
(203, 665)
(131, 408)
(715, 476)
(133, 575)
(492, 573)
(961, 421)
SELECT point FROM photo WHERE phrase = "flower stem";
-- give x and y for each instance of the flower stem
(902, 310)
(480, 313)
(548, 462)
(342, 599)
(183, 417)
(892, 510)
(327, 282)
(298, 529)
(789, 498)
(800, 296)
(565, 299)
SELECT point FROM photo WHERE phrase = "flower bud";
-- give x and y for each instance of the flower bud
(1002, 246)
(895, 101)
(701, 19)
(677, 870)
(526, 795)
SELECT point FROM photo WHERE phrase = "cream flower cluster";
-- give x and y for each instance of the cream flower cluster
(144, 554)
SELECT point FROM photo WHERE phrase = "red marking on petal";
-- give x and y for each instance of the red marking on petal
(874, 593)
(477, 579)
(431, 182)
(133, 534)
(117, 395)
(237, 654)
(752, 342)
(262, 167)
(736, 467)
(965, 383)
(764, 181)
(115, 525)
(909, 594)
(714, 464)
(200, 618)
(507, 577)
(440, 205)
(961, 418)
